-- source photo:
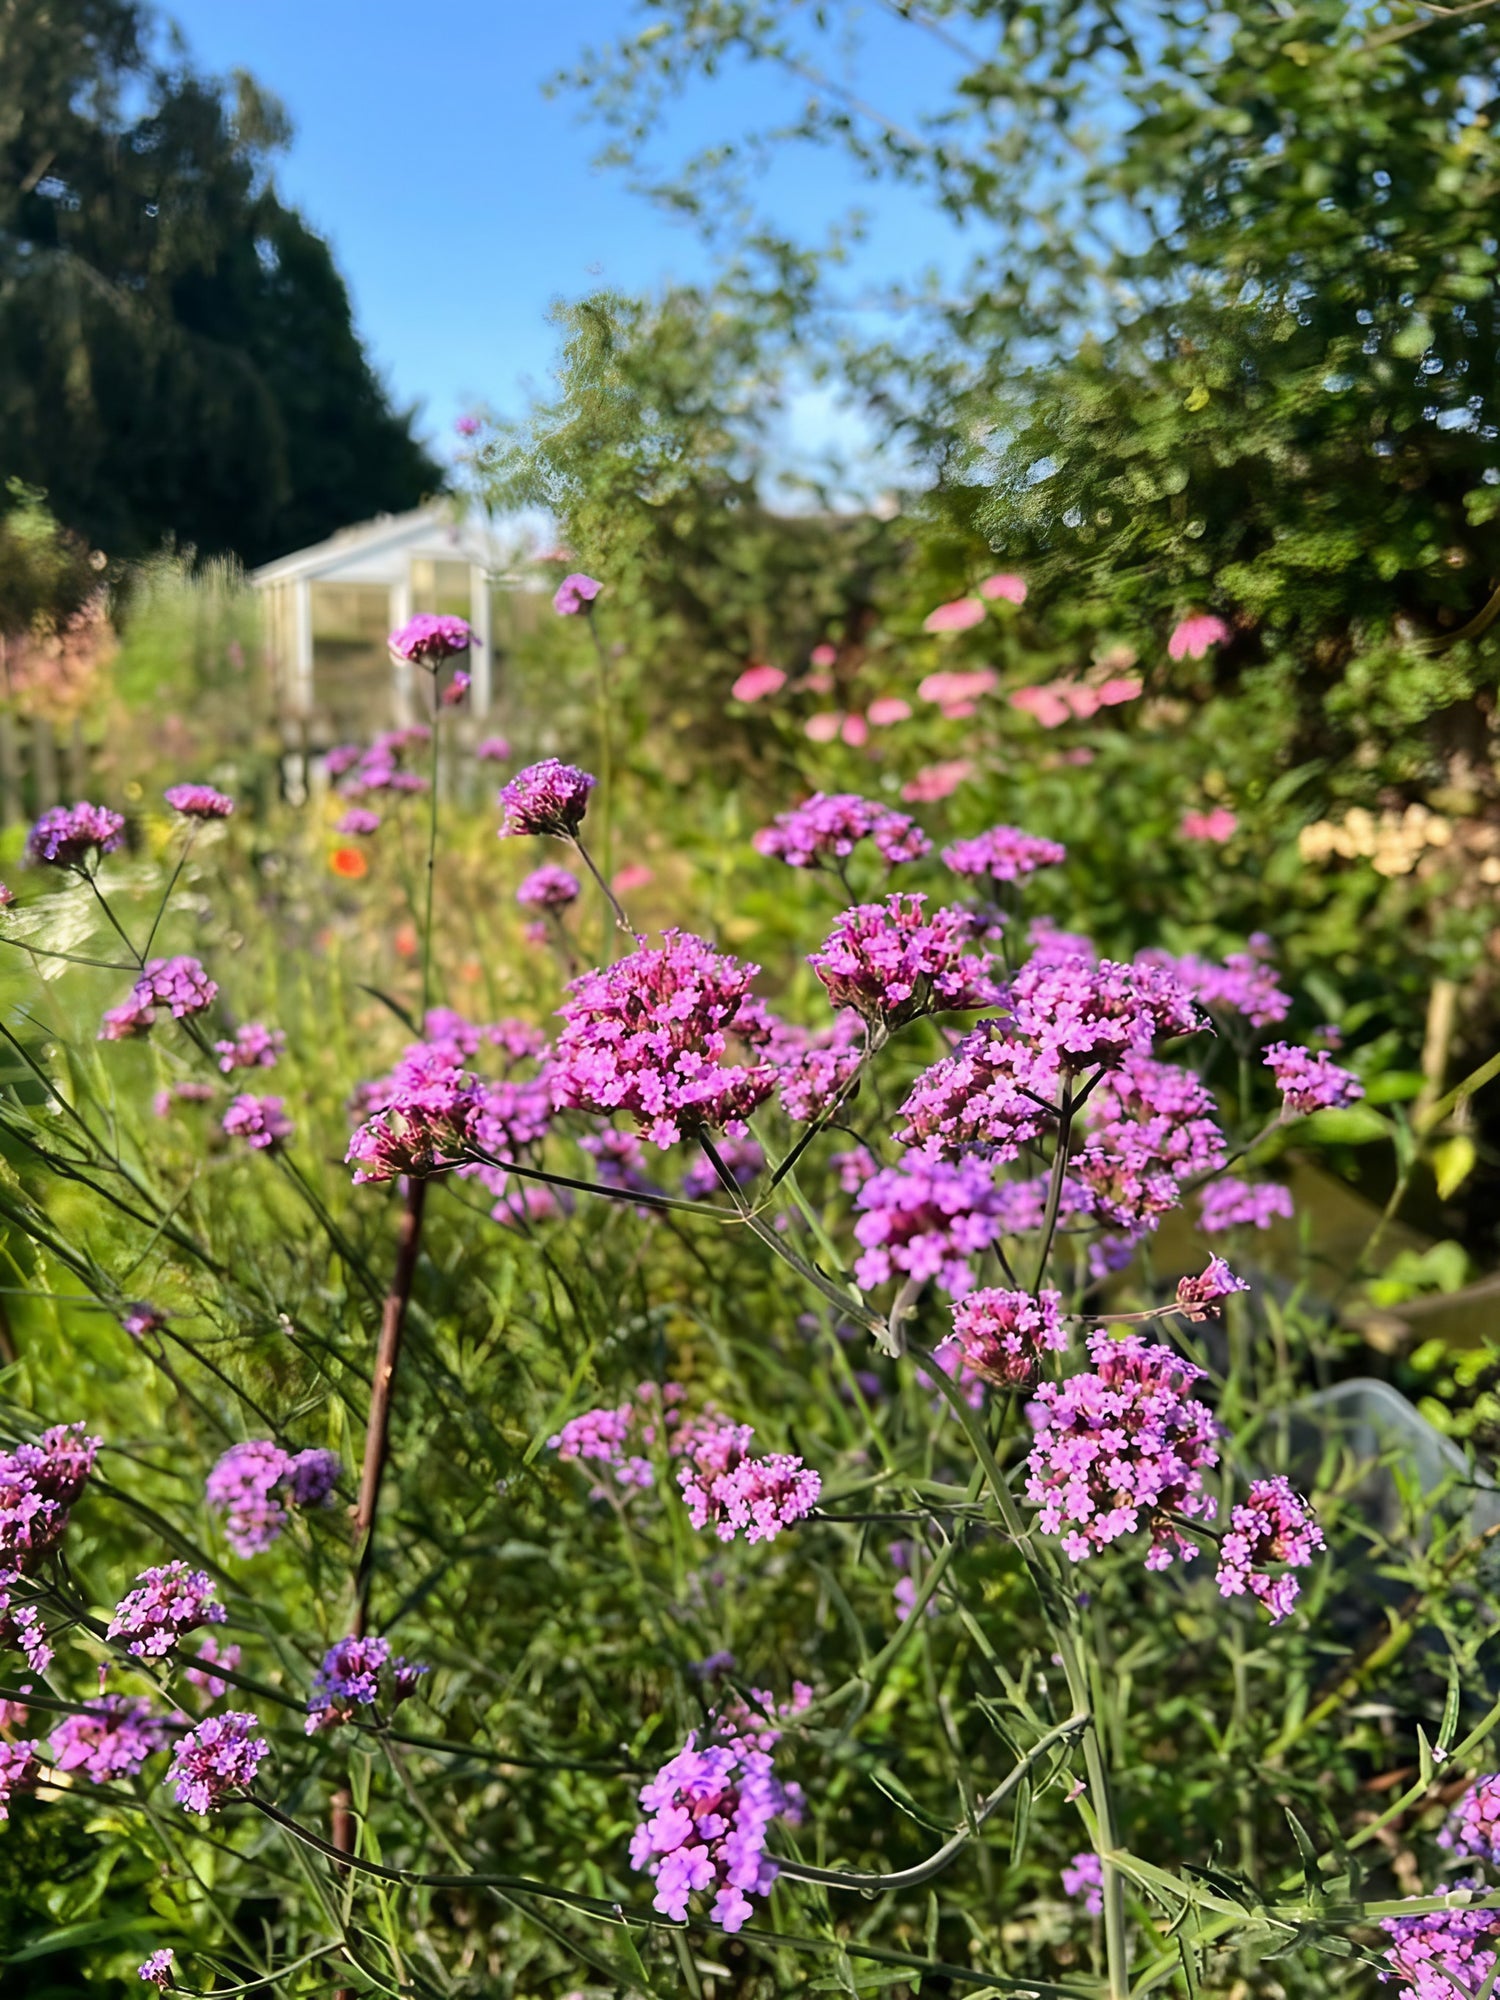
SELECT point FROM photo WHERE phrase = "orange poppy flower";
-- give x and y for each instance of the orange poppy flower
(348, 862)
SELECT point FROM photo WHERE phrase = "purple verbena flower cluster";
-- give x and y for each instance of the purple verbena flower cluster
(38, 1485)
(108, 1738)
(729, 1490)
(1236, 1204)
(1004, 1335)
(549, 887)
(1273, 1524)
(253, 1046)
(620, 1439)
(743, 1158)
(1244, 984)
(1003, 854)
(199, 801)
(648, 1036)
(65, 836)
(1309, 1081)
(201, 1671)
(814, 1067)
(356, 1673)
(575, 593)
(892, 961)
(829, 826)
(359, 821)
(156, 1970)
(1443, 1954)
(1200, 1296)
(380, 768)
(1083, 1877)
(19, 1771)
(709, 1810)
(1475, 1826)
(253, 1484)
(165, 1603)
(215, 1760)
(1119, 1446)
(260, 1121)
(926, 1219)
(430, 638)
(546, 798)
(178, 984)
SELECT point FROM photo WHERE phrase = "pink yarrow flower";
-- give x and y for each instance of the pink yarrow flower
(429, 639)
(937, 781)
(757, 681)
(1216, 826)
(961, 614)
(198, 801)
(1272, 1527)
(575, 593)
(546, 798)
(1194, 635)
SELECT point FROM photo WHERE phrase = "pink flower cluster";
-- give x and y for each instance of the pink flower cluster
(156, 1969)
(1244, 984)
(1084, 1877)
(1059, 701)
(380, 768)
(734, 1493)
(549, 888)
(1122, 1446)
(430, 638)
(546, 798)
(215, 1760)
(891, 962)
(1475, 1826)
(1308, 1081)
(260, 1121)
(199, 801)
(1151, 1128)
(1004, 1335)
(65, 836)
(621, 1439)
(829, 826)
(814, 1068)
(38, 1485)
(1003, 854)
(649, 1035)
(178, 984)
(19, 1771)
(356, 1673)
(1235, 1204)
(253, 1046)
(253, 1484)
(1200, 1296)
(574, 593)
(108, 1738)
(1272, 1525)
(422, 1113)
(165, 1603)
(1444, 1954)
(926, 1219)
(709, 1810)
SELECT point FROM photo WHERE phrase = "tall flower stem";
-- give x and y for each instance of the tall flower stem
(432, 833)
(1070, 1648)
(387, 1356)
(606, 785)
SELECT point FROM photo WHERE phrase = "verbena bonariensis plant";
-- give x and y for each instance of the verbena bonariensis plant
(420, 1671)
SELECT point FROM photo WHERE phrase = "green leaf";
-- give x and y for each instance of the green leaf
(1411, 342)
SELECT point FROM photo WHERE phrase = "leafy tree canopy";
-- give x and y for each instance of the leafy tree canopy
(177, 354)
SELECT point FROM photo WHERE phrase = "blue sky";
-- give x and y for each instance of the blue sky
(460, 201)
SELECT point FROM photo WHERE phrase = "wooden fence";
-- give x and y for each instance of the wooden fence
(41, 765)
